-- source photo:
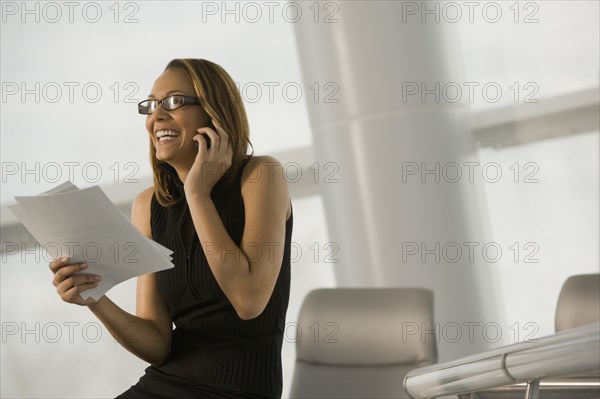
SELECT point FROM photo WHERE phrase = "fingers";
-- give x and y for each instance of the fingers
(213, 136)
(62, 270)
(58, 263)
(72, 294)
(201, 144)
(75, 279)
(69, 285)
(223, 136)
(218, 137)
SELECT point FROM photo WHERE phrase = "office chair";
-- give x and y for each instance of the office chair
(361, 342)
(578, 304)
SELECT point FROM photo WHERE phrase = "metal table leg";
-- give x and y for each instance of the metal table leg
(533, 390)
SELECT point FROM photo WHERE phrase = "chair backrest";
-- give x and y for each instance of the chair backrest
(578, 302)
(361, 342)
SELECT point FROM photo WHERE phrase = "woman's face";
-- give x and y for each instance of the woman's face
(184, 121)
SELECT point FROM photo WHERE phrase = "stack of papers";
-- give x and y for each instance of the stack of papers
(87, 227)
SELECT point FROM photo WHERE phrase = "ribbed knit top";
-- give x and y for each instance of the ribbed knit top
(211, 345)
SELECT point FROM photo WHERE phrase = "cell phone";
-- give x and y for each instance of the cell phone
(206, 137)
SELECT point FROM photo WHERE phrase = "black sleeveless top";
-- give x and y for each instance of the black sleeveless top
(211, 346)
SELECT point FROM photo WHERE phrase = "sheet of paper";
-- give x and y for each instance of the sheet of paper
(86, 226)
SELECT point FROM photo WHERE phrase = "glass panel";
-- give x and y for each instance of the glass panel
(530, 50)
(544, 215)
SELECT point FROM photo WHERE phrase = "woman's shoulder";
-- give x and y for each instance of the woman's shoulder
(140, 211)
(259, 167)
(145, 196)
(143, 201)
(264, 178)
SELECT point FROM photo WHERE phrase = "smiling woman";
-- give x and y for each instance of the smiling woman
(228, 218)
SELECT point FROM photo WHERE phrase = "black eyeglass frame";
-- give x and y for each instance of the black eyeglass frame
(186, 100)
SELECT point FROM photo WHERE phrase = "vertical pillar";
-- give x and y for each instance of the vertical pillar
(397, 212)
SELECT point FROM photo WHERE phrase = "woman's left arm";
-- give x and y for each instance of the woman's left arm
(247, 275)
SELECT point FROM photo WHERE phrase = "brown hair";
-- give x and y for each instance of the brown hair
(221, 100)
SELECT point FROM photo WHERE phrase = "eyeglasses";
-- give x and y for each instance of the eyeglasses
(170, 103)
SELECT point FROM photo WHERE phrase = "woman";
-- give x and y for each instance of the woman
(228, 218)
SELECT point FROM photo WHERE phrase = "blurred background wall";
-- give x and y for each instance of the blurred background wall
(452, 145)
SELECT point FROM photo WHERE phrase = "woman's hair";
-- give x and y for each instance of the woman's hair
(221, 100)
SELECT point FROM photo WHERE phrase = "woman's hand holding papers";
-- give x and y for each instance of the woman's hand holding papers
(69, 285)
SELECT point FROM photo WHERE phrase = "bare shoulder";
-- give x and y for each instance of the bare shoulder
(140, 211)
(145, 196)
(257, 162)
(262, 169)
(143, 200)
(262, 176)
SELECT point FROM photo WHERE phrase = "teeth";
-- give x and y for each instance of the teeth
(162, 133)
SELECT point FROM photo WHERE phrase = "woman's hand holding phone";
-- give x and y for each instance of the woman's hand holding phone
(212, 161)
(206, 138)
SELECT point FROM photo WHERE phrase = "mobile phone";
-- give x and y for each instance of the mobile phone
(206, 137)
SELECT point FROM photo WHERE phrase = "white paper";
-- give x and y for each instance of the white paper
(86, 226)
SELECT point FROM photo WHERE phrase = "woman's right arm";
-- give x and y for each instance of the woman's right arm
(147, 334)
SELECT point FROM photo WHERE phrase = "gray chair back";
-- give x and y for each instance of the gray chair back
(578, 302)
(361, 342)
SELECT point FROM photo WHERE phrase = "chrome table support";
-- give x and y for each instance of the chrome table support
(533, 389)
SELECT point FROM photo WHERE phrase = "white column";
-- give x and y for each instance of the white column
(372, 136)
